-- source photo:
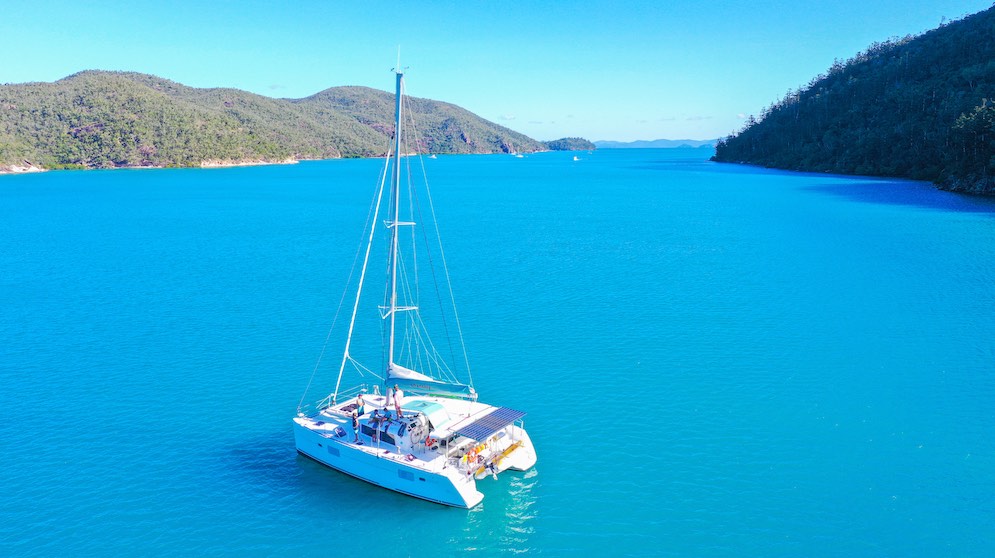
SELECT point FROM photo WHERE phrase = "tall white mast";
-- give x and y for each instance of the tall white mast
(396, 197)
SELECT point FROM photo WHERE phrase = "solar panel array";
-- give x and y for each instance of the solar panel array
(489, 424)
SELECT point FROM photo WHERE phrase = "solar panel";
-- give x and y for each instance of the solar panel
(489, 424)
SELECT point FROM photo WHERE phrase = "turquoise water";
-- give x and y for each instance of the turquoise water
(716, 360)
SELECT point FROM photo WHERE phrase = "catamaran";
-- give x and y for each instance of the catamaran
(410, 424)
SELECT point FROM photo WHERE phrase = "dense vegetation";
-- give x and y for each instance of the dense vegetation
(100, 119)
(570, 144)
(918, 107)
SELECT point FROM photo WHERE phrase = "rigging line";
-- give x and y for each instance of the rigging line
(385, 247)
(431, 353)
(420, 348)
(409, 318)
(383, 348)
(431, 261)
(405, 296)
(417, 342)
(360, 368)
(406, 105)
(413, 344)
(445, 267)
(386, 260)
(362, 277)
(438, 296)
(345, 291)
(433, 360)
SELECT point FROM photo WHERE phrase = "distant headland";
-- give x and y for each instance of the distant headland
(918, 107)
(655, 144)
(99, 119)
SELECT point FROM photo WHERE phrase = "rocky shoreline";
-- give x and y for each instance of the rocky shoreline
(215, 163)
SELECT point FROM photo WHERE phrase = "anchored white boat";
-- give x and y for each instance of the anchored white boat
(413, 426)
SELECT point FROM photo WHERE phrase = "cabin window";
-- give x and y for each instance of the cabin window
(333, 451)
(406, 475)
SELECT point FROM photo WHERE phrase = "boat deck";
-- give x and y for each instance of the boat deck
(466, 435)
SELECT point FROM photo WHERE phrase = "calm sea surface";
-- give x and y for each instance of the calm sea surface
(716, 360)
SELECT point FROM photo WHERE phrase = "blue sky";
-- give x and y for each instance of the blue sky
(597, 69)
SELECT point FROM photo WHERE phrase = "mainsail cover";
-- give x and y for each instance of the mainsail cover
(416, 382)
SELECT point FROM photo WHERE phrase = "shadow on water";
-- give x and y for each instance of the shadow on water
(882, 191)
(278, 481)
(273, 467)
(905, 193)
(269, 468)
(269, 462)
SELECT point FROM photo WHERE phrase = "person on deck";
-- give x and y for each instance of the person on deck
(398, 394)
(360, 405)
(355, 427)
(375, 421)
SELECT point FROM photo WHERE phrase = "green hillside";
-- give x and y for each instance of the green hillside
(97, 119)
(918, 107)
(570, 144)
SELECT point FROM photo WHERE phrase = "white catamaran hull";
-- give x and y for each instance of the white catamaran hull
(449, 486)
(473, 441)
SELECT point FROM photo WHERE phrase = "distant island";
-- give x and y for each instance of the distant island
(658, 143)
(570, 144)
(920, 107)
(98, 119)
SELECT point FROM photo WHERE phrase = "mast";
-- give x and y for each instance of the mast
(395, 196)
(396, 200)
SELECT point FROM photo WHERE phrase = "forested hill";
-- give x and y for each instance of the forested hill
(570, 144)
(97, 119)
(920, 107)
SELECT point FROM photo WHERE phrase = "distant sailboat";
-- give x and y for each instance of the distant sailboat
(416, 430)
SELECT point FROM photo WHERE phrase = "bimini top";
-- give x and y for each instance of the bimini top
(486, 426)
(437, 415)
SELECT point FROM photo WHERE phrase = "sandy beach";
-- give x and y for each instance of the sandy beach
(19, 169)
